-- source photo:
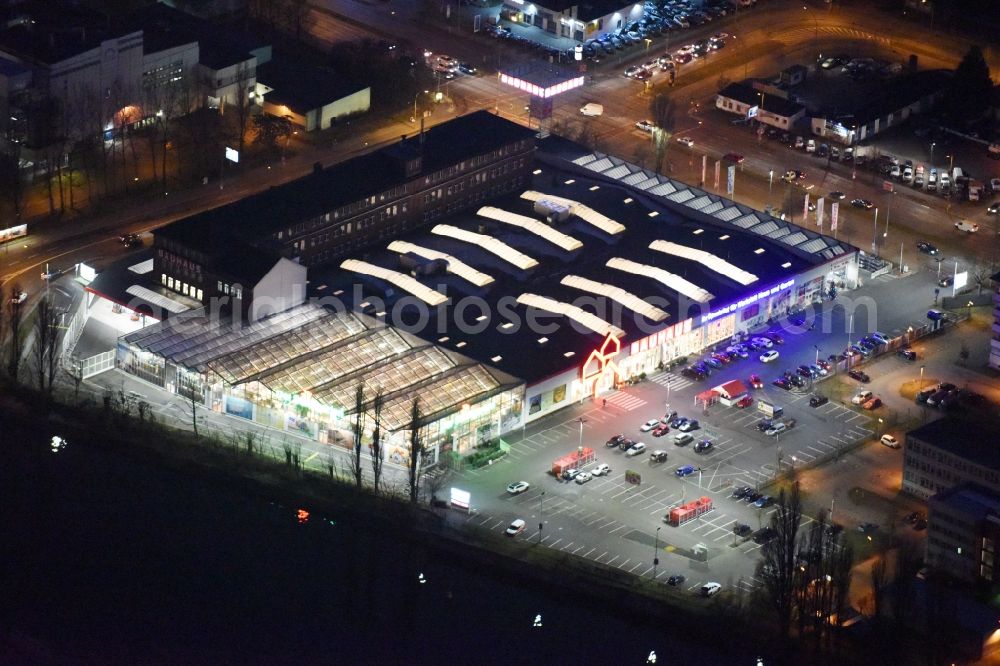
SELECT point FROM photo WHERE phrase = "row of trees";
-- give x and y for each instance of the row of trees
(44, 350)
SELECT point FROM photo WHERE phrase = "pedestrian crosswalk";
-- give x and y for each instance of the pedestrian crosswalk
(671, 381)
(625, 401)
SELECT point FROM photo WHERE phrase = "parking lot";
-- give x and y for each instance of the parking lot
(612, 521)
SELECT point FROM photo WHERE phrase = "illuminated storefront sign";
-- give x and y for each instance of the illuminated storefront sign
(661, 337)
(539, 91)
(749, 300)
(601, 362)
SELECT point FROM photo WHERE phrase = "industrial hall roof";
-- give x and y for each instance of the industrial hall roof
(532, 282)
(315, 351)
(257, 217)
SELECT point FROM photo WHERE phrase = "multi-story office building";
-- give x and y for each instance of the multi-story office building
(964, 532)
(951, 451)
(343, 208)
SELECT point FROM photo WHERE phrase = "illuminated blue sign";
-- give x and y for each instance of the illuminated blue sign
(749, 300)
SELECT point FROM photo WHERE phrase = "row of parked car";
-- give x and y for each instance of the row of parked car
(717, 360)
(947, 396)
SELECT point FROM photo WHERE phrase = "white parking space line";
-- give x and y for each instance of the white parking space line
(566, 546)
(587, 554)
(578, 549)
(613, 559)
(554, 543)
(808, 457)
(637, 565)
(621, 527)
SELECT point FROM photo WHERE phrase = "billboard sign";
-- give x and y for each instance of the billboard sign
(461, 498)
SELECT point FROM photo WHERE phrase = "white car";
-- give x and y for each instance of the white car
(518, 487)
(649, 425)
(515, 528)
(592, 109)
(645, 125)
(776, 429)
(708, 589)
(601, 470)
(861, 398)
(811, 146)
(582, 477)
(769, 356)
(966, 226)
(890, 441)
(766, 343)
(636, 449)
(686, 140)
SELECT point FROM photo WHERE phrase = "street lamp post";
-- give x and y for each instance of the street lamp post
(816, 347)
(413, 119)
(581, 421)
(656, 552)
(875, 233)
(921, 379)
(770, 182)
(541, 522)
(932, 152)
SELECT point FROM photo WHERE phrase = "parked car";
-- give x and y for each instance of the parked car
(740, 491)
(570, 474)
(710, 589)
(859, 375)
(582, 478)
(862, 203)
(874, 403)
(636, 449)
(764, 502)
(768, 356)
(515, 528)
(518, 487)
(614, 441)
(676, 580)
(817, 400)
(688, 426)
(645, 125)
(742, 530)
(760, 340)
(908, 354)
(658, 456)
(686, 470)
(649, 425)
(744, 402)
(861, 397)
(704, 446)
(763, 535)
(889, 441)
(661, 430)
(776, 429)
(683, 439)
(756, 382)
(601, 470)
(686, 141)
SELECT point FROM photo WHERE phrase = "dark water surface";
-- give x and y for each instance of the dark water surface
(107, 561)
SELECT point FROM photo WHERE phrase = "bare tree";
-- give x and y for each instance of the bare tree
(376, 445)
(359, 431)
(46, 335)
(879, 580)
(245, 73)
(778, 568)
(417, 451)
(298, 17)
(663, 113)
(15, 316)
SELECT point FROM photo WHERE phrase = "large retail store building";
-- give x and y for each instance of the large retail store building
(547, 275)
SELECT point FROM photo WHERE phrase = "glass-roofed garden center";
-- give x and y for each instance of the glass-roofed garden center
(298, 371)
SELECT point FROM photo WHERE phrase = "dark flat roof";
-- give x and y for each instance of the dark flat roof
(303, 86)
(522, 355)
(773, 103)
(50, 31)
(963, 437)
(113, 282)
(901, 92)
(971, 499)
(256, 217)
(165, 27)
